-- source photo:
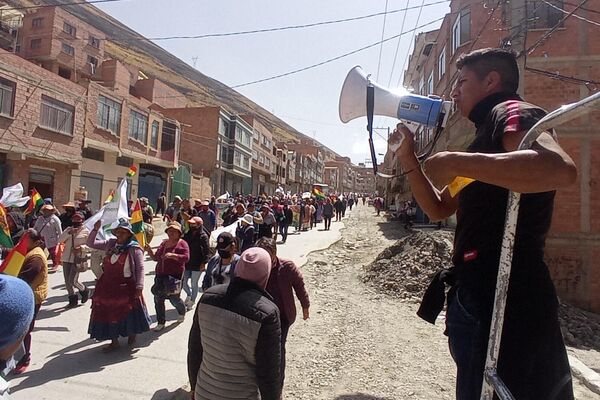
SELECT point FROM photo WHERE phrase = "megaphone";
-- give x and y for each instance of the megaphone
(429, 111)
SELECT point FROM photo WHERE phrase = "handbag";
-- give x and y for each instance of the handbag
(166, 285)
(80, 258)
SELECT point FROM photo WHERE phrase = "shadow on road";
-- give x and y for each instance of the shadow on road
(359, 396)
(165, 394)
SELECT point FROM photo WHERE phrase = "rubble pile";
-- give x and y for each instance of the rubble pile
(405, 269)
(580, 328)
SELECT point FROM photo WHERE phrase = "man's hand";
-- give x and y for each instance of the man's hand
(138, 293)
(202, 267)
(305, 314)
(402, 141)
(439, 168)
(98, 225)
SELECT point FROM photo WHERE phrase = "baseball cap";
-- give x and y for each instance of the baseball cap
(224, 240)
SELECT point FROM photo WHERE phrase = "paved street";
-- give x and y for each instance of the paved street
(66, 364)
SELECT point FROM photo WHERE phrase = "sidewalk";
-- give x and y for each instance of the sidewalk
(66, 364)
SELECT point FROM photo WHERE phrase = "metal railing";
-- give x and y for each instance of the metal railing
(492, 382)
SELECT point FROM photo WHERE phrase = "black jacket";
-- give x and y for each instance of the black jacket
(197, 241)
(234, 349)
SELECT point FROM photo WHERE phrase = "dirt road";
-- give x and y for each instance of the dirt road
(360, 344)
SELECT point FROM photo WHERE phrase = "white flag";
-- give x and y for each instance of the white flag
(12, 196)
(111, 212)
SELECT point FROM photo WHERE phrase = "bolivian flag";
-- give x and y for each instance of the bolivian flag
(35, 202)
(110, 197)
(5, 239)
(318, 193)
(132, 171)
(14, 261)
(137, 224)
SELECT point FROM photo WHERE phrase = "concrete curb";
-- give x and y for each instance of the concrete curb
(586, 375)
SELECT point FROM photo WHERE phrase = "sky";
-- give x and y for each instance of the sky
(307, 100)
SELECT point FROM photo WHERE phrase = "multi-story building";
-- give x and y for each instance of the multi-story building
(342, 169)
(264, 162)
(365, 179)
(87, 107)
(309, 162)
(556, 71)
(280, 150)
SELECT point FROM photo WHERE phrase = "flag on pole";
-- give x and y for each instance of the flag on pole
(14, 261)
(318, 193)
(132, 171)
(35, 203)
(110, 196)
(137, 224)
(110, 212)
(5, 238)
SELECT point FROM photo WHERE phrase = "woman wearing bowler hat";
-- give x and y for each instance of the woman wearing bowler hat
(118, 308)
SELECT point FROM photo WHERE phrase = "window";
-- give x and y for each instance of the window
(237, 159)
(154, 135)
(35, 43)
(94, 42)
(67, 49)
(124, 161)
(255, 155)
(56, 115)
(243, 136)
(92, 154)
(543, 15)
(69, 29)
(268, 162)
(442, 63)
(37, 22)
(422, 86)
(246, 162)
(138, 126)
(461, 31)
(92, 61)
(430, 84)
(109, 114)
(223, 126)
(261, 158)
(7, 97)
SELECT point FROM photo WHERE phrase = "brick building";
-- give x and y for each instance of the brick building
(264, 161)
(553, 74)
(341, 175)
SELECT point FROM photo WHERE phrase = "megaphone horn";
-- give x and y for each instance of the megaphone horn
(428, 111)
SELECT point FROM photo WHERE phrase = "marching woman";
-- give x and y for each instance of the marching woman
(118, 308)
(171, 257)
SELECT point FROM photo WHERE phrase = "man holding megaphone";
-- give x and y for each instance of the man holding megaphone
(533, 362)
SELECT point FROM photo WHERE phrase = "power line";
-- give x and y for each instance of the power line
(532, 48)
(575, 15)
(283, 28)
(398, 45)
(382, 36)
(411, 41)
(60, 5)
(334, 58)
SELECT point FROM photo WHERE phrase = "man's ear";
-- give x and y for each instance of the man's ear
(493, 81)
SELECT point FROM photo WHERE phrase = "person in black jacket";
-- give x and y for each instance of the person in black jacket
(245, 232)
(197, 240)
(234, 348)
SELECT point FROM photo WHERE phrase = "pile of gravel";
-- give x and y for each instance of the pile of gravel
(405, 269)
(580, 328)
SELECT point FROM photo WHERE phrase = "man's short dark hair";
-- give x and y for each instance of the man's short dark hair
(484, 61)
(268, 244)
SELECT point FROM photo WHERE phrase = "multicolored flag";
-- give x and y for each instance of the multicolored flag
(5, 238)
(110, 196)
(137, 224)
(35, 203)
(318, 193)
(14, 261)
(132, 171)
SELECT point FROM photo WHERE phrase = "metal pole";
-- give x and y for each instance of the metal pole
(491, 379)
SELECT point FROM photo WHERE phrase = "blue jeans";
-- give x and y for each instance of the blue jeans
(195, 277)
(532, 363)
